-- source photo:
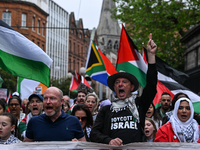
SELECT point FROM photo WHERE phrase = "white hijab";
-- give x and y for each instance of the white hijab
(185, 130)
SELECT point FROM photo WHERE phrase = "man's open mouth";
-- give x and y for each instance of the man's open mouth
(35, 108)
(49, 107)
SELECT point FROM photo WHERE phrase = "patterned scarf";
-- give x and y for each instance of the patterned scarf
(11, 139)
(122, 104)
(185, 131)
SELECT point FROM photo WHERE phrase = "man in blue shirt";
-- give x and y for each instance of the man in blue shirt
(54, 125)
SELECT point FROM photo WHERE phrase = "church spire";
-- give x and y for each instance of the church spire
(108, 30)
(108, 25)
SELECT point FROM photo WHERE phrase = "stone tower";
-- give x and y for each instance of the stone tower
(108, 30)
(108, 33)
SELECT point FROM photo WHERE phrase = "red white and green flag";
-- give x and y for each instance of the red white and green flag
(169, 79)
(130, 60)
(21, 57)
(74, 84)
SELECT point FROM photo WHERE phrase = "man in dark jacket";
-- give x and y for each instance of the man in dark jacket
(122, 122)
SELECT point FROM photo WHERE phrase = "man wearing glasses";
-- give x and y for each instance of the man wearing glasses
(54, 125)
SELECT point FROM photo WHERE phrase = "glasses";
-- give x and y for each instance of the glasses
(13, 104)
(82, 118)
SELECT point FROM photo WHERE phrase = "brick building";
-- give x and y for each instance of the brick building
(79, 40)
(27, 18)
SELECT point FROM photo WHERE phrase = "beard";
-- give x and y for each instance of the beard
(165, 107)
(52, 114)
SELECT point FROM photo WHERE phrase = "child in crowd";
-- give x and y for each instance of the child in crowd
(65, 106)
(152, 113)
(150, 130)
(8, 129)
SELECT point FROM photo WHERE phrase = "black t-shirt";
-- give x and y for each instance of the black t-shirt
(125, 126)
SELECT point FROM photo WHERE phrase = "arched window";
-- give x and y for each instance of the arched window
(109, 45)
(116, 46)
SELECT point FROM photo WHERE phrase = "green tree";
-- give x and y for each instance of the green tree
(166, 20)
(10, 81)
(63, 84)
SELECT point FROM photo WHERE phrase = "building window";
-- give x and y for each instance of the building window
(23, 24)
(82, 53)
(74, 63)
(191, 60)
(70, 45)
(43, 27)
(116, 46)
(38, 43)
(7, 17)
(109, 45)
(33, 23)
(38, 26)
(70, 64)
(43, 47)
(74, 48)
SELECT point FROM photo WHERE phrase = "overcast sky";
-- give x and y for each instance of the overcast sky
(89, 10)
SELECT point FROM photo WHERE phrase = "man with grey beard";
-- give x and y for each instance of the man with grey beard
(54, 125)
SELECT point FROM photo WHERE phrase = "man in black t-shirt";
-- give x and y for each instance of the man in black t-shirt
(123, 121)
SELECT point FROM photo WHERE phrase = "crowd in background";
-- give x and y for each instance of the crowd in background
(14, 114)
(126, 118)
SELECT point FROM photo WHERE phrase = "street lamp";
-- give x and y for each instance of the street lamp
(69, 75)
(82, 70)
(57, 68)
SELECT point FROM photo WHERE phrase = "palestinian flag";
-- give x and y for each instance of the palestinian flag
(129, 57)
(173, 80)
(21, 57)
(84, 81)
(74, 84)
(170, 80)
(98, 66)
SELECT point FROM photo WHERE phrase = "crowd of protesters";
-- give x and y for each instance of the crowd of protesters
(126, 118)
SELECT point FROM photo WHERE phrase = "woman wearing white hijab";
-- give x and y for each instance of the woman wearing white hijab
(181, 127)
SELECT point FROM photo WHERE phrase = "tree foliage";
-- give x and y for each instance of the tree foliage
(63, 84)
(10, 81)
(168, 21)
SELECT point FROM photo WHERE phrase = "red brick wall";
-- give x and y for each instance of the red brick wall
(16, 10)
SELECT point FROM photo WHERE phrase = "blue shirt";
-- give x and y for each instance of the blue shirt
(150, 140)
(64, 128)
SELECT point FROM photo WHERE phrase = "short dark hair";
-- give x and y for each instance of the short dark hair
(16, 97)
(3, 104)
(85, 108)
(81, 91)
(165, 93)
(3, 100)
